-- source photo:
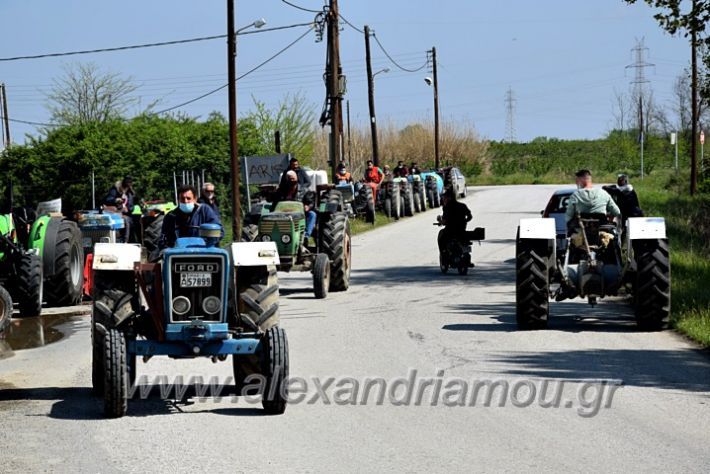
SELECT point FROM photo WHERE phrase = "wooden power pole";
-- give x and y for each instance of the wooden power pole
(233, 143)
(371, 98)
(5, 118)
(436, 109)
(694, 114)
(334, 74)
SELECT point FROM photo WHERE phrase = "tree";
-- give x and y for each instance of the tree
(294, 119)
(85, 94)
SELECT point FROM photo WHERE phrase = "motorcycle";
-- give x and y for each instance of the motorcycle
(457, 253)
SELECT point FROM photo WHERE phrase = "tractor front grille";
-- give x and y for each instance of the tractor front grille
(192, 266)
(92, 237)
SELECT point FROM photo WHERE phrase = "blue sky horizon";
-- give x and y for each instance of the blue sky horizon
(563, 60)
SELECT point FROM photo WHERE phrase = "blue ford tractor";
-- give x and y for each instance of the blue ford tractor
(198, 300)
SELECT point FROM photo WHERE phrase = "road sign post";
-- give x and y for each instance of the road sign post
(674, 141)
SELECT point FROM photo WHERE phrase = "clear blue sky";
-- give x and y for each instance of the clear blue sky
(562, 58)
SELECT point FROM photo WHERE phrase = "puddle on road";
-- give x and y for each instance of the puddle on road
(30, 333)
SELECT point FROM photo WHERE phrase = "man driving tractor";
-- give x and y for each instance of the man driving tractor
(185, 220)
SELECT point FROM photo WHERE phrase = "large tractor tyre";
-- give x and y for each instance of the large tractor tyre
(249, 232)
(115, 374)
(275, 369)
(335, 197)
(388, 207)
(396, 203)
(370, 206)
(29, 285)
(532, 287)
(258, 300)
(97, 360)
(422, 199)
(64, 288)
(437, 198)
(416, 200)
(430, 198)
(336, 244)
(652, 290)
(407, 202)
(321, 276)
(5, 309)
(151, 233)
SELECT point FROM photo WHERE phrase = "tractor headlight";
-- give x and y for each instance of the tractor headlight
(211, 305)
(286, 239)
(266, 238)
(181, 305)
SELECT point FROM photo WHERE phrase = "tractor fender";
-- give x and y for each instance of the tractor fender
(538, 228)
(640, 228)
(254, 254)
(113, 256)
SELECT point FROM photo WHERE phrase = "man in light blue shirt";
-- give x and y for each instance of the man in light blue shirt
(589, 200)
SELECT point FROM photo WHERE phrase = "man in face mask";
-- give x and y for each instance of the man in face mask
(186, 219)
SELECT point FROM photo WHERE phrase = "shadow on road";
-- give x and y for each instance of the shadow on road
(564, 316)
(686, 369)
(482, 275)
(78, 403)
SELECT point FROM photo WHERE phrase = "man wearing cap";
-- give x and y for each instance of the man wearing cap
(120, 197)
(589, 200)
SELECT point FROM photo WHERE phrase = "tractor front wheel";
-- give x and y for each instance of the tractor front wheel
(5, 309)
(116, 376)
(29, 285)
(321, 276)
(336, 244)
(275, 370)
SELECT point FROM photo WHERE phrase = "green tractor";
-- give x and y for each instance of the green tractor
(57, 242)
(20, 275)
(327, 257)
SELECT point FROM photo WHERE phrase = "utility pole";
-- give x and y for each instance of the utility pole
(509, 120)
(694, 113)
(277, 141)
(431, 57)
(350, 142)
(233, 143)
(6, 120)
(335, 91)
(371, 98)
(640, 66)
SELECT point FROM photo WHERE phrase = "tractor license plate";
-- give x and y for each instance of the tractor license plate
(195, 280)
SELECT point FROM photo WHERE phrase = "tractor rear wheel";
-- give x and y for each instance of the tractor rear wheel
(115, 374)
(64, 288)
(29, 285)
(407, 201)
(5, 309)
(370, 205)
(652, 291)
(532, 288)
(321, 276)
(258, 304)
(416, 198)
(275, 369)
(151, 233)
(437, 199)
(430, 198)
(336, 244)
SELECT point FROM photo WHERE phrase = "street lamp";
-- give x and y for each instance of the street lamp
(385, 70)
(232, 94)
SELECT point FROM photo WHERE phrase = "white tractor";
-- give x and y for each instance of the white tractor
(595, 264)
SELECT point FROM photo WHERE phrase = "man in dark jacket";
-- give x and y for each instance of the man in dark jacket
(185, 220)
(208, 197)
(120, 197)
(456, 215)
(625, 197)
(304, 181)
(401, 170)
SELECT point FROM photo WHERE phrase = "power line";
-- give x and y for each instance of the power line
(362, 32)
(148, 45)
(395, 62)
(300, 8)
(239, 77)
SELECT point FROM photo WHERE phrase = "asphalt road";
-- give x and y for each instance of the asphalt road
(401, 318)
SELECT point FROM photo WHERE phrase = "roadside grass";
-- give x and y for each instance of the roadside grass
(358, 225)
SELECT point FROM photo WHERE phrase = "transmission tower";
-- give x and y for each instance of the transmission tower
(638, 85)
(509, 120)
